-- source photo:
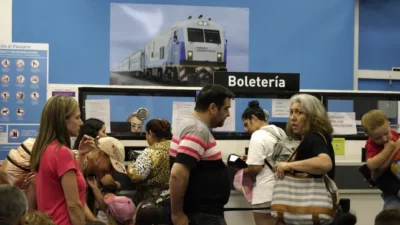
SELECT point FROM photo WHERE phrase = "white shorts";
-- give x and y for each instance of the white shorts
(260, 208)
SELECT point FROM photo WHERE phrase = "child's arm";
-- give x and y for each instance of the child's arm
(389, 160)
(97, 194)
(386, 164)
(377, 162)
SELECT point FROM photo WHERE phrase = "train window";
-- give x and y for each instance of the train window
(212, 36)
(195, 35)
(162, 52)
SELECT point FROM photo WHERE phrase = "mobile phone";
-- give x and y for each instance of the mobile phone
(236, 162)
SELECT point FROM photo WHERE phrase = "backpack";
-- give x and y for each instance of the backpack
(284, 146)
(17, 165)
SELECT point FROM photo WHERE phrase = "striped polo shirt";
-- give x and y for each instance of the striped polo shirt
(194, 146)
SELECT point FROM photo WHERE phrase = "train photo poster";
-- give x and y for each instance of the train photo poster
(176, 45)
(24, 77)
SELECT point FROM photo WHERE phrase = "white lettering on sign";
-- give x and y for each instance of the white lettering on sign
(233, 81)
(343, 123)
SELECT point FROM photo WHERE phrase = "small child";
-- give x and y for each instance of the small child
(382, 147)
(119, 209)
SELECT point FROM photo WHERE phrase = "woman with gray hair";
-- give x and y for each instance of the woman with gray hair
(310, 123)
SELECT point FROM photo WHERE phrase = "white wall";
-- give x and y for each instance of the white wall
(6, 21)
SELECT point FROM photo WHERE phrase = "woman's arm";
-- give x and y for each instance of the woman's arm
(86, 145)
(253, 170)
(315, 158)
(71, 193)
(31, 196)
(140, 170)
(89, 215)
(321, 164)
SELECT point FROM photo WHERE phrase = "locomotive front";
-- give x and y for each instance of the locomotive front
(205, 48)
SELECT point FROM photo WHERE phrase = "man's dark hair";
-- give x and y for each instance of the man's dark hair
(12, 210)
(212, 93)
(388, 217)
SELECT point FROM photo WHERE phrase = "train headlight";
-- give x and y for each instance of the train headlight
(219, 56)
(205, 23)
(190, 55)
(200, 23)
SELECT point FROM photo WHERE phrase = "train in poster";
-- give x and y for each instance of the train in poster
(191, 49)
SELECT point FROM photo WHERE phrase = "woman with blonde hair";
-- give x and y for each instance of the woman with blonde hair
(309, 122)
(60, 186)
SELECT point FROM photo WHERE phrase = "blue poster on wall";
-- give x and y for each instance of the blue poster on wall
(23, 87)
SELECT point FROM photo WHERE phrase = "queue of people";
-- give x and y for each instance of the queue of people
(73, 185)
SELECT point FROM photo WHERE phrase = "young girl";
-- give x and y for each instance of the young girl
(119, 209)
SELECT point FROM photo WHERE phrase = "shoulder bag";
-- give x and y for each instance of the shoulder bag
(300, 198)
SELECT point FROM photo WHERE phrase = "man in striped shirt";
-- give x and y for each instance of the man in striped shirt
(199, 182)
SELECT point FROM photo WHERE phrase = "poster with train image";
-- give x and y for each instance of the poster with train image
(176, 45)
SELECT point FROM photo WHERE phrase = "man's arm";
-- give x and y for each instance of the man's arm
(189, 149)
(177, 184)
